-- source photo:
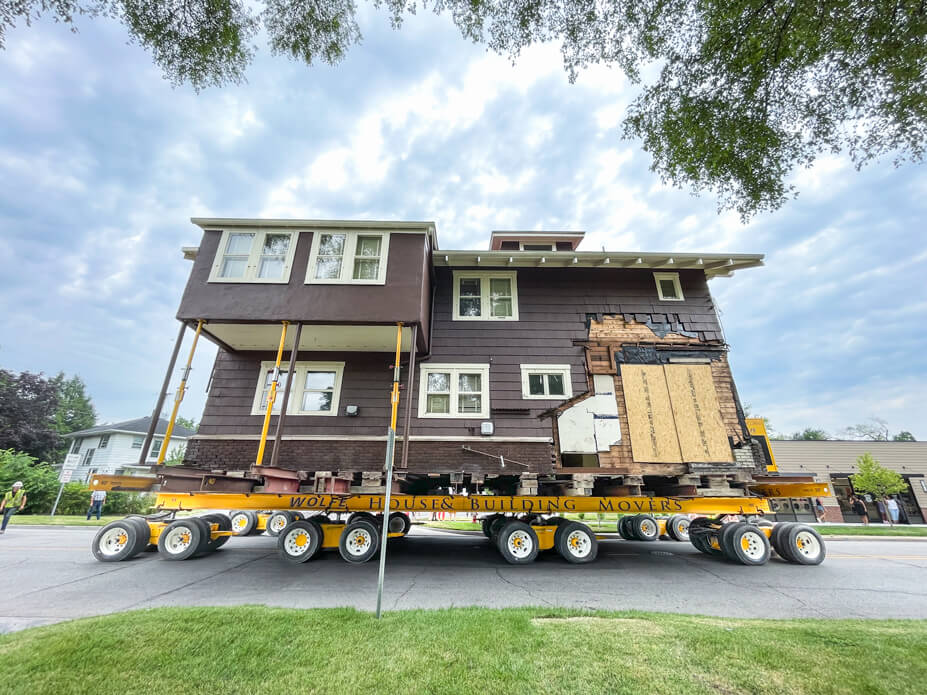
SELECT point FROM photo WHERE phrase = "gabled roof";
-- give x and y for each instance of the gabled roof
(136, 426)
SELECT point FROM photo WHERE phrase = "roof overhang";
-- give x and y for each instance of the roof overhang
(713, 264)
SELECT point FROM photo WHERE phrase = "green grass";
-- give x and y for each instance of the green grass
(60, 520)
(527, 650)
(872, 530)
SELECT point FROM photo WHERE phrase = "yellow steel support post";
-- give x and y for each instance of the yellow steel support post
(390, 450)
(272, 395)
(180, 392)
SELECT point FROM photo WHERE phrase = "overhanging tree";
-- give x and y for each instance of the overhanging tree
(747, 90)
(875, 479)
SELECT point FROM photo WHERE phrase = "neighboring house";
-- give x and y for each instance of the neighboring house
(115, 448)
(832, 461)
(539, 367)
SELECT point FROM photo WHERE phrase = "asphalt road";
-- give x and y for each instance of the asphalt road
(48, 574)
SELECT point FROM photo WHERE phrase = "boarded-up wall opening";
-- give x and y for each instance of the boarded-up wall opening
(579, 460)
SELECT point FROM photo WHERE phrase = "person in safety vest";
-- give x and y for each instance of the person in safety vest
(13, 501)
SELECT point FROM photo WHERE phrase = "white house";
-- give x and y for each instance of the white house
(115, 448)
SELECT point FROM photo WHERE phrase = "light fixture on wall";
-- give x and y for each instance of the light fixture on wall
(351, 410)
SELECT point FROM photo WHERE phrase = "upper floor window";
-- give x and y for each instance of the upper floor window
(668, 287)
(155, 448)
(454, 390)
(254, 256)
(316, 389)
(348, 257)
(76, 446)
(137, 442)
(104, 441)
(485, 296)
(550, 381)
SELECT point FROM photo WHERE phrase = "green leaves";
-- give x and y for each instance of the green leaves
(876, 479)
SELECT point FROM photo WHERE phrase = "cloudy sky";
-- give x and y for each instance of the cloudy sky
(102, 164)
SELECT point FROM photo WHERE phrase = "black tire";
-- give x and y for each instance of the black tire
(182, 539)
(243, 523)
(529, 518)
(116, 541)
(804, 545)
(701, 531)
(144, 535)
(678, 528)
(486, 523)
(300, 541)
(624, 528)
(360, 541)
(225, 524)
(645, 528)
(748, 545)
(577, 543)
(777, 539)
(497, 525)
(556, 521)
(399, 522)
(518, 542)
(278, 521)
(724, 539)
(365, 516)
(318, 518)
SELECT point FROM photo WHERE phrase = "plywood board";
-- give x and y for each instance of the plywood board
(650, 414)
(701, 433)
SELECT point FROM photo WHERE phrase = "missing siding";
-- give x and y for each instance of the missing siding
(651, 354)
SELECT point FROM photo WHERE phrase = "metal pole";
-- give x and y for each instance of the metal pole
(407, 426)
(278, 435)
(271, 396)
(156, 415)
(55, 505)
(181, 390)
(390, 450)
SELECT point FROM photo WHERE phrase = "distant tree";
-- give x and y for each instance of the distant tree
(903, 436)
(189, 423)
(75, 411)
(875, 479)
(28, 408)
(175, 456)
(811, 434)
(875, 430)
(39, 479)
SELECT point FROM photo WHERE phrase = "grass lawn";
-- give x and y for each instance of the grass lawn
(872, 530)
(254, 649)
(60, 520)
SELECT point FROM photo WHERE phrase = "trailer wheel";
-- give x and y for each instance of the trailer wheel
(116, 541)
(804, 545)
(300, 541)
(182, 539)
(359, 541)
(243, 523)
(278, 521)
(399, 522)
(225, 524)
(749, 545)
(577, 543)
(624, 528)
(486, 523)
(555, 521)
(496, 526)
(724, 536)
(144, 535)
(518, 542)
(678, 527)
(645, 527)
(777, 538)
(362, 516)
(701, 530)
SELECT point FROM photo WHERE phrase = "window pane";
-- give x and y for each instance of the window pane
(438, 404)
(239, 244)
(469, 306)
(233, 267)
(538, 247)
(555, 384)
(320, 380)
(328, 268)
(468, 403)
(500, 287)
(470, 287)
(317, 400)
(365, 269)
(668, 288)
(331, 245)
(438, 382)
(469, 383)
(536, 384)
(271, 267)
(501, 307)
(276, 244)
(368, 246)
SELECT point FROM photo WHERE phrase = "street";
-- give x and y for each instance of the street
(50, 575)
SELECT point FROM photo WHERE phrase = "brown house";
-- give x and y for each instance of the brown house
(538, 367)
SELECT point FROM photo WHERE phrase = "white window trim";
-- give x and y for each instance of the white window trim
(454, 369)
(668, 276)
(156, 444)
(562, 369)
(140, 443)
(347, 262)
(296, 388)
(254, 257)
(484, 278)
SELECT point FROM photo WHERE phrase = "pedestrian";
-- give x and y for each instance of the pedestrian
(819, 510)
(13, 501)
(97, 498)
(859, 508)
(891, 504)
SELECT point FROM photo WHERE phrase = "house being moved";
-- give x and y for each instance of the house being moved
(532, 367)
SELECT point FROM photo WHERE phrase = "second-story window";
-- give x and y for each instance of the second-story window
(104, 441)
(348, 257)
(485, 296)
(254, 256)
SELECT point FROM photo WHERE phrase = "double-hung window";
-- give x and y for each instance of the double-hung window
(137, 442)
(315, 390)
(104, 441)
(547, 381)
(454, 391)
(254, 256)
(485, 296)
(155, 448)
(348, 257)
